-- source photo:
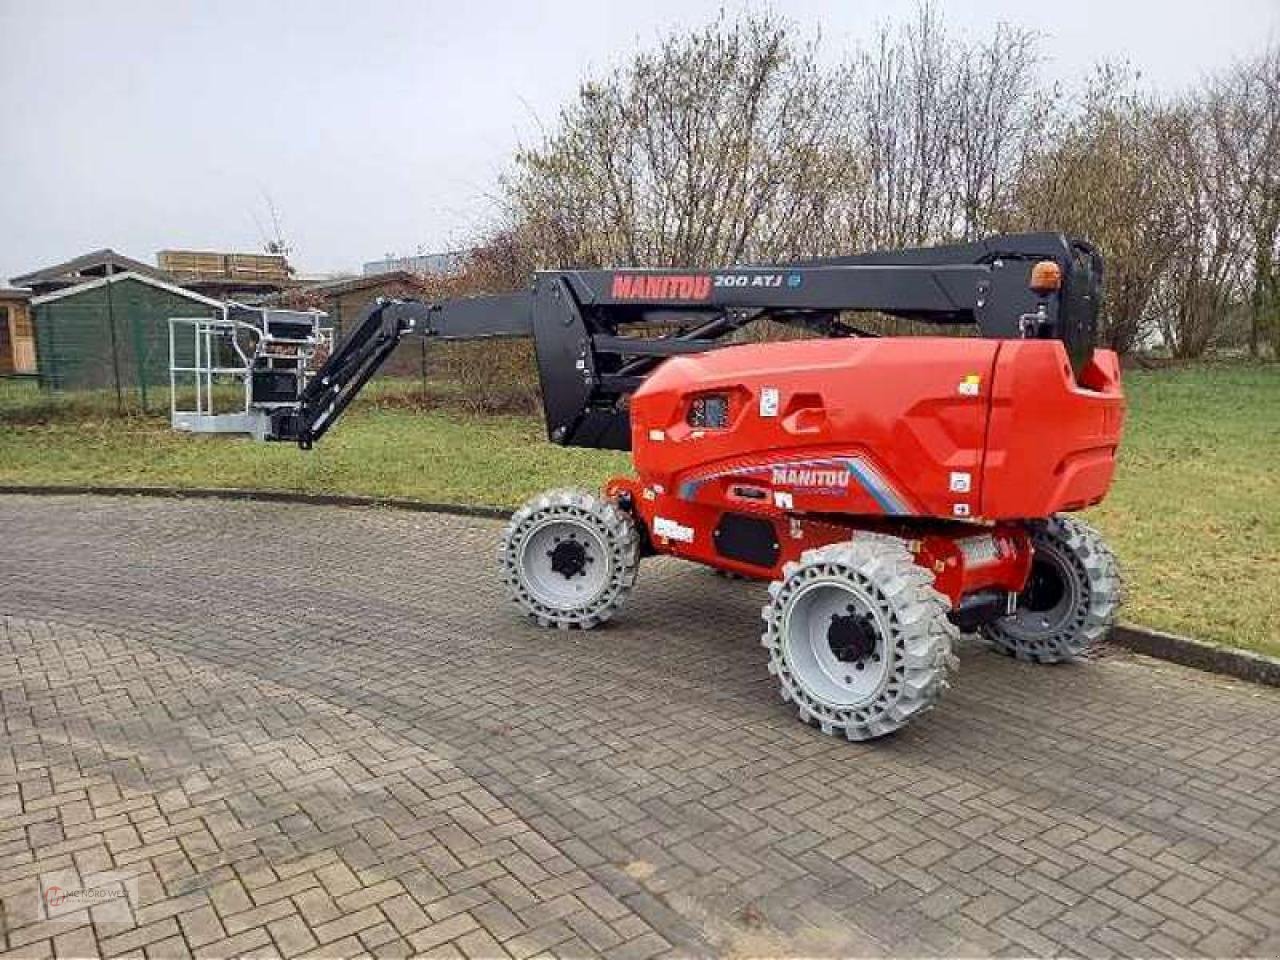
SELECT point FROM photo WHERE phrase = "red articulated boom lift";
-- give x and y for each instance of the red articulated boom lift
(894, 490)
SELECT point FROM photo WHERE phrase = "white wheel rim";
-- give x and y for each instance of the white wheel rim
(831, 671)
(544, 571)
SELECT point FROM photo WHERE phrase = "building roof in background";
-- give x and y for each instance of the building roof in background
(450, 261)
(334, 288)
(7, 293)
(127, 275)
(85, 267)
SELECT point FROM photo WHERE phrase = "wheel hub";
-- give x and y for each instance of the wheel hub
(1048, 602)
(1045, 587)
(569, 558)
(851, 637)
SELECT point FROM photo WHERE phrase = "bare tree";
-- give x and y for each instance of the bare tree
(712, 148)
(1199, 142)
(1252, 120)
(941, 127)
(736, 143)
(1099, 177)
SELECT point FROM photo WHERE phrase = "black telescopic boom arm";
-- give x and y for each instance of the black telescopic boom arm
(366, 347)
(593, 329)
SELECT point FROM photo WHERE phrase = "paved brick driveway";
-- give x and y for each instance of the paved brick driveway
(251, 729)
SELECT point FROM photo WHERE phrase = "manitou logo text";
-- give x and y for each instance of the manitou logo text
(807, 477)
(644, 286)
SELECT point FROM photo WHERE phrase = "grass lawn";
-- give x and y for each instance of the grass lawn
(1194, 515)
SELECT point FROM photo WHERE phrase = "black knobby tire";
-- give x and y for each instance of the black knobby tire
(569, 558)
(858, 637)
(1071, 599)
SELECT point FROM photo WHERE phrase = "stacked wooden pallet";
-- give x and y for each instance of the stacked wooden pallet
(192, 266)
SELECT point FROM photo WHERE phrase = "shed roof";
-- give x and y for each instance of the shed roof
(349, 284)
(70, 272)
(7, 293)
(130, 275)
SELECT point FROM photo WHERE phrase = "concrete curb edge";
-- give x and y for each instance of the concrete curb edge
(1242, 664)
(269, 496)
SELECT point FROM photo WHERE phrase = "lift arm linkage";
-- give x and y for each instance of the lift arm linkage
(362, 351)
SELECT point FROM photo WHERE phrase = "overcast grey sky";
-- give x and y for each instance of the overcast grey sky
(382, 126)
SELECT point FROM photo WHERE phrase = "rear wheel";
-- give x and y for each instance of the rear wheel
(1071, 597)
(858, 637)
(569, 558)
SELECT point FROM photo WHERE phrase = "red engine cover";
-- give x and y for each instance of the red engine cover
(924, 427)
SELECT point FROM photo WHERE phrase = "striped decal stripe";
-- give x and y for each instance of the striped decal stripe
(868, 477)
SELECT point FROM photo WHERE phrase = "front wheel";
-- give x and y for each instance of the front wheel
(569, 558)
(1071, 597)
(858, 637)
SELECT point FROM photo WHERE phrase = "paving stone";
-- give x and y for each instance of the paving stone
(201, 926)
(76, 943)
(443, 932)
(347, 925)
(481, 945)
(292, 936)
(174, 948)
(405, 914)
(400, 765)
(230, 898)
(258, 916)
(134, 940)
(255, 942)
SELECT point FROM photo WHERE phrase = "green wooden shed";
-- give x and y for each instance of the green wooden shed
(112, 333)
